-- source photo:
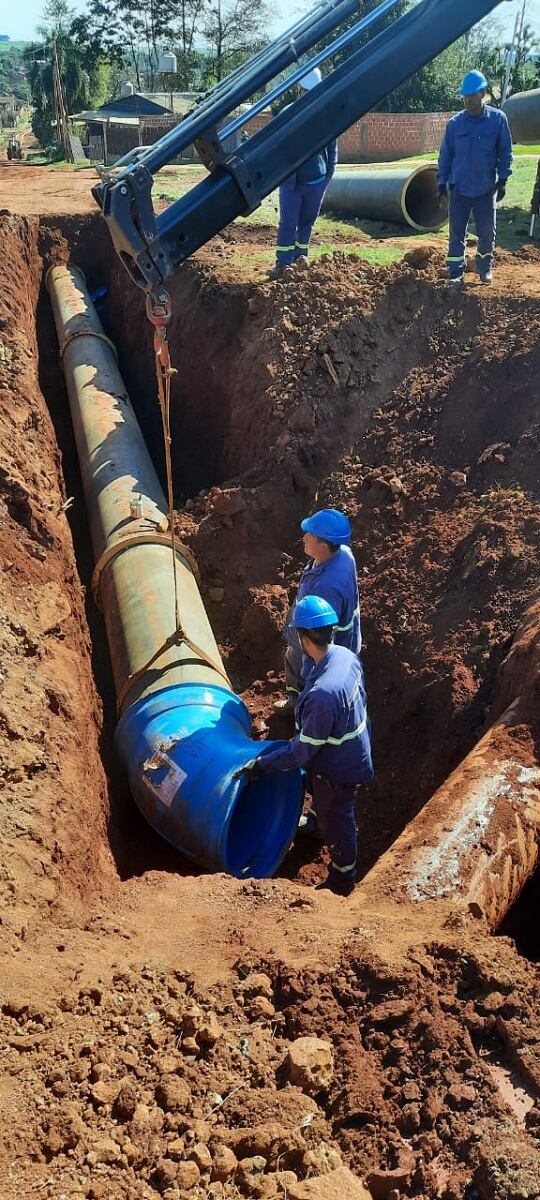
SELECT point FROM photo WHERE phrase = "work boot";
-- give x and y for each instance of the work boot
(308, 827)
(455, 278)
(487, 277)
(340, 885)
(275, 272)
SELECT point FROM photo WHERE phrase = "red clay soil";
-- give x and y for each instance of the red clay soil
(149, 1013)
(374, 390)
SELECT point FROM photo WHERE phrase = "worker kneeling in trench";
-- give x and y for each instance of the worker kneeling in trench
(332, 741)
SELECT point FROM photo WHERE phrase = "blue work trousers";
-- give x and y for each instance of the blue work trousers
(484, 212)
(299, 207)
(333, 815)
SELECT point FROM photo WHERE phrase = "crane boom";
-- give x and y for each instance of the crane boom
(152, 246)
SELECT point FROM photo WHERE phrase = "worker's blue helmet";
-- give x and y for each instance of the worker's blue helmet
(313, 613)
(473, 81)
(329, 524)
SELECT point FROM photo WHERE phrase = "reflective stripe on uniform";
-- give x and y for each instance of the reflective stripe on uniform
(284, 249)
(302, 245)
(488, 255)
(330, 741)
(342, 870)
(460, 258)
(345, 628)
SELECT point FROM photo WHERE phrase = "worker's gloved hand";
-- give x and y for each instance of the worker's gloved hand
(442, 194)
(501, 190)
(250, 771)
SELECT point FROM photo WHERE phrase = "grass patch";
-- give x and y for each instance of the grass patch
(378, 255)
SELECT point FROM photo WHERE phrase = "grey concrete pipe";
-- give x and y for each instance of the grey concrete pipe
(523, 112)
(183, 735)
(397, 194)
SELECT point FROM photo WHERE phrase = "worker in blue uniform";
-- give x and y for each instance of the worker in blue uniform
(475, 162)
(332, 741)
(331, 574)
(301, 196)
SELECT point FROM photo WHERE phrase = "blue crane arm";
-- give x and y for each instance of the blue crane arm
(152, 247)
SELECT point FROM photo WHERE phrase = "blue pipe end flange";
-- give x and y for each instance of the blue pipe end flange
(181, 748)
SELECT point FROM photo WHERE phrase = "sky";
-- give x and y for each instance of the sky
(21, 19)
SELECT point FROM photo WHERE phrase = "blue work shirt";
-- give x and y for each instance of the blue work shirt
(332, 724)
(317, 169)
(476, 152)
(336, 582)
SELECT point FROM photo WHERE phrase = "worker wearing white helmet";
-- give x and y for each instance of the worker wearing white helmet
(300, 197)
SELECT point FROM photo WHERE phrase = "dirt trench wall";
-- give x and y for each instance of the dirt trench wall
(53, 791)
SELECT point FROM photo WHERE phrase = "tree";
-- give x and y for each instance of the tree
(13, 73)
(75, 81)
(434, 88)
(83, 70)
(233, 30)
(56, 19)
(130, 31)
(187, 16)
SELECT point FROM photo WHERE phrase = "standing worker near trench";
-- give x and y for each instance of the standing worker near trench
(332, 742)
(301, 196)
(475, 162)
(331, 574)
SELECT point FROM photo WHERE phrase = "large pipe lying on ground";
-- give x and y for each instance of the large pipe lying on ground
(391, 194)
(182, 732)
(523, 112)
(476, 842)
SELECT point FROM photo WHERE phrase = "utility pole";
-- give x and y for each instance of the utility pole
(510, 54)
(60, 107)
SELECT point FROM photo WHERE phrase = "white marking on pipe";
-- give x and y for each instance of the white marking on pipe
(439, 867)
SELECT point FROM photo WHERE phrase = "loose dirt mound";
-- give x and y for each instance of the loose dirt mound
(147, 1085)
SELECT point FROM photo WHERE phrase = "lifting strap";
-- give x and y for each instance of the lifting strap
(158, 311)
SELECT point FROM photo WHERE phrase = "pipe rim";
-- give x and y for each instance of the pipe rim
(423, 169)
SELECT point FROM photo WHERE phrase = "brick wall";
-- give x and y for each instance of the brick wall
(385, 136)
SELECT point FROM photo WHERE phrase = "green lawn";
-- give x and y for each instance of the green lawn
(374, 241)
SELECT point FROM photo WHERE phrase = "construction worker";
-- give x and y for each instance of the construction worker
(475, 162)
(330, 573)
(300, 198)
(332, 741)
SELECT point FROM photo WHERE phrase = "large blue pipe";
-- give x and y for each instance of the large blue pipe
(183, 734)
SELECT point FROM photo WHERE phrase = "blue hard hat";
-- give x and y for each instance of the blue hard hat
(474, 81)
(313, 613)
(329, 524)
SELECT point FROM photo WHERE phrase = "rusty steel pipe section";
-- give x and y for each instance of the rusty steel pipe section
(476, 842)
(183, 735)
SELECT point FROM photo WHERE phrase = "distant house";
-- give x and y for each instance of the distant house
(138, 120)
(120, 126)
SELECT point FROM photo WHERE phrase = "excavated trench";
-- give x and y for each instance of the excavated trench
(288, 407)
(348, 386)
